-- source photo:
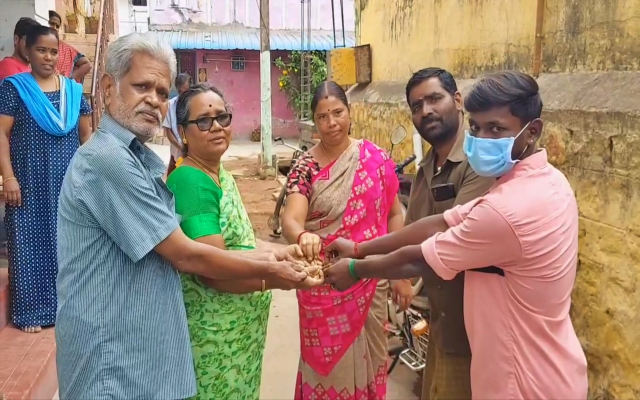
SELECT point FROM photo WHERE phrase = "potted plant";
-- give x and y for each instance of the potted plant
(72, 23)
(91, 25)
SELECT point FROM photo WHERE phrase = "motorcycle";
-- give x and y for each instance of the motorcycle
(274, 221)
(409, 327)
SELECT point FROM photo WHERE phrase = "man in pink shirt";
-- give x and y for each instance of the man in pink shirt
(518, 245)
(18, 62)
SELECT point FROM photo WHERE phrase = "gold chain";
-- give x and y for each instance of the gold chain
(212, 174)
(327, 154)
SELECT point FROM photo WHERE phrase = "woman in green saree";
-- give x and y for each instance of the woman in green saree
(227, 318)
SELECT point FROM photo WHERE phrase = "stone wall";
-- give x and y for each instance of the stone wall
(592, 134)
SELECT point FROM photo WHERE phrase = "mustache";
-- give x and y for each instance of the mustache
(427, 121)
(150, 111)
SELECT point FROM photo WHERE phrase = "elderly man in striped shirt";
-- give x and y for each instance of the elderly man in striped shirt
(121, 328)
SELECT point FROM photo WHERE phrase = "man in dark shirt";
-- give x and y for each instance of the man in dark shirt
(443, 181)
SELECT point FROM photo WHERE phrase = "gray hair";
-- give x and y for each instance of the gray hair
(121, 51)
(184, 101)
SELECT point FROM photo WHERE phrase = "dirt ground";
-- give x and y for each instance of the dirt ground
(257, 195)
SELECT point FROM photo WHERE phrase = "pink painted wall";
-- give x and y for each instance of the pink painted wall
(242, 91)
(283, 14)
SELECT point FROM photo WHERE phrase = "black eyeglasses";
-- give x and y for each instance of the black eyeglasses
(205, 123)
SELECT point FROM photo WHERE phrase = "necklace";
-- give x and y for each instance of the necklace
(327, 154)
(212, 174)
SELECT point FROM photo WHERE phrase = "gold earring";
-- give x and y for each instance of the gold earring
(184, 140)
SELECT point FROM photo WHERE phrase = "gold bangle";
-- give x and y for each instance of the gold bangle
(264, 286)
(9, 178)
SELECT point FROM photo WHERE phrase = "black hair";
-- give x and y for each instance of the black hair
(181, 79)
(23, 26)
(38, 31)
(515, 89)
(326, 89)
(447, 81)
(53, 14)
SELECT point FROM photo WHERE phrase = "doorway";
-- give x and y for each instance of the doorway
(187, 63)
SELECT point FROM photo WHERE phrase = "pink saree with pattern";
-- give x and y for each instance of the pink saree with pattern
(343, 341)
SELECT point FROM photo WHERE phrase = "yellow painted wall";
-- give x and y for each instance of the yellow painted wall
(465, 36)
(470, 37)
(592, 132)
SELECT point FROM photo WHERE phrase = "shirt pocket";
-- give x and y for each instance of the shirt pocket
(442, 206)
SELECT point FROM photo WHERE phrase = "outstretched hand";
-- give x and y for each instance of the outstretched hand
(287, 274)
(341, 248)
(338, 275)
(289, 253)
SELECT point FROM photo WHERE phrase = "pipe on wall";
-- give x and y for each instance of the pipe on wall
(537, 46)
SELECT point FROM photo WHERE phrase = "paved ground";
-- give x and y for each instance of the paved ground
(283, 344)
(282, 352)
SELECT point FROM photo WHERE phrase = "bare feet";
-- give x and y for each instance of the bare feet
(32, 329)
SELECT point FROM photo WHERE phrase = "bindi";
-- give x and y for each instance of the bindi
(210, 105)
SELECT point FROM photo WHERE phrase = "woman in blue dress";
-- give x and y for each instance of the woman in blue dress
(44, 118)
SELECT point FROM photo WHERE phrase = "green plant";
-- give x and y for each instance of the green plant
(289, 80)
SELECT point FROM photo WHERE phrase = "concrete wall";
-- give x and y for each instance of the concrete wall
(132, 18)
(474, 36)
(242, 91)
(591, 89)
(37, 9)
(284, 14)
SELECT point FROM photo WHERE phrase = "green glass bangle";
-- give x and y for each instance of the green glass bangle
(352, 269)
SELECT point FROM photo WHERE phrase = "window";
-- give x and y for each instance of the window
(237, 63)
(139, 3)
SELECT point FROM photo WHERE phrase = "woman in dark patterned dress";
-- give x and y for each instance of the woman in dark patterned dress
(43, 120)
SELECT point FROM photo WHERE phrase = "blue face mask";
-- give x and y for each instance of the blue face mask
(491, 157)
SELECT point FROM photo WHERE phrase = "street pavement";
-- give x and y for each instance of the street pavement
(282, 353)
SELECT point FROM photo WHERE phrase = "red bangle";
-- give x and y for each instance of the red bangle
(300, 235)
(355, 250)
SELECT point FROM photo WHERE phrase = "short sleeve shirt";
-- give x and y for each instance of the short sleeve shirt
(520, 331)
(447, 330)
(171, 122)
(121, 329)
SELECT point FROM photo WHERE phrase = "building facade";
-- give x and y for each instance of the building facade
(218, 41)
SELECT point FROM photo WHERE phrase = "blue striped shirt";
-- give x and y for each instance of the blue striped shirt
(121, 330)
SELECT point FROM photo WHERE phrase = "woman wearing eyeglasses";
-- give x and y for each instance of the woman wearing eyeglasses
(227, 318)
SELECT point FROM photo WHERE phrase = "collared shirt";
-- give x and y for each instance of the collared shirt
(121, 330)
(445, 297)
(171, 122)
(523, 342)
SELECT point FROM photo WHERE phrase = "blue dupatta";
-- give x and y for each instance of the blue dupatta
(53, 121)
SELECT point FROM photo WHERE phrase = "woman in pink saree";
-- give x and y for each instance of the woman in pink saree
(342, 188)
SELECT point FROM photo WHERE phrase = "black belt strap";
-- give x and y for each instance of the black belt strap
(489, 270)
